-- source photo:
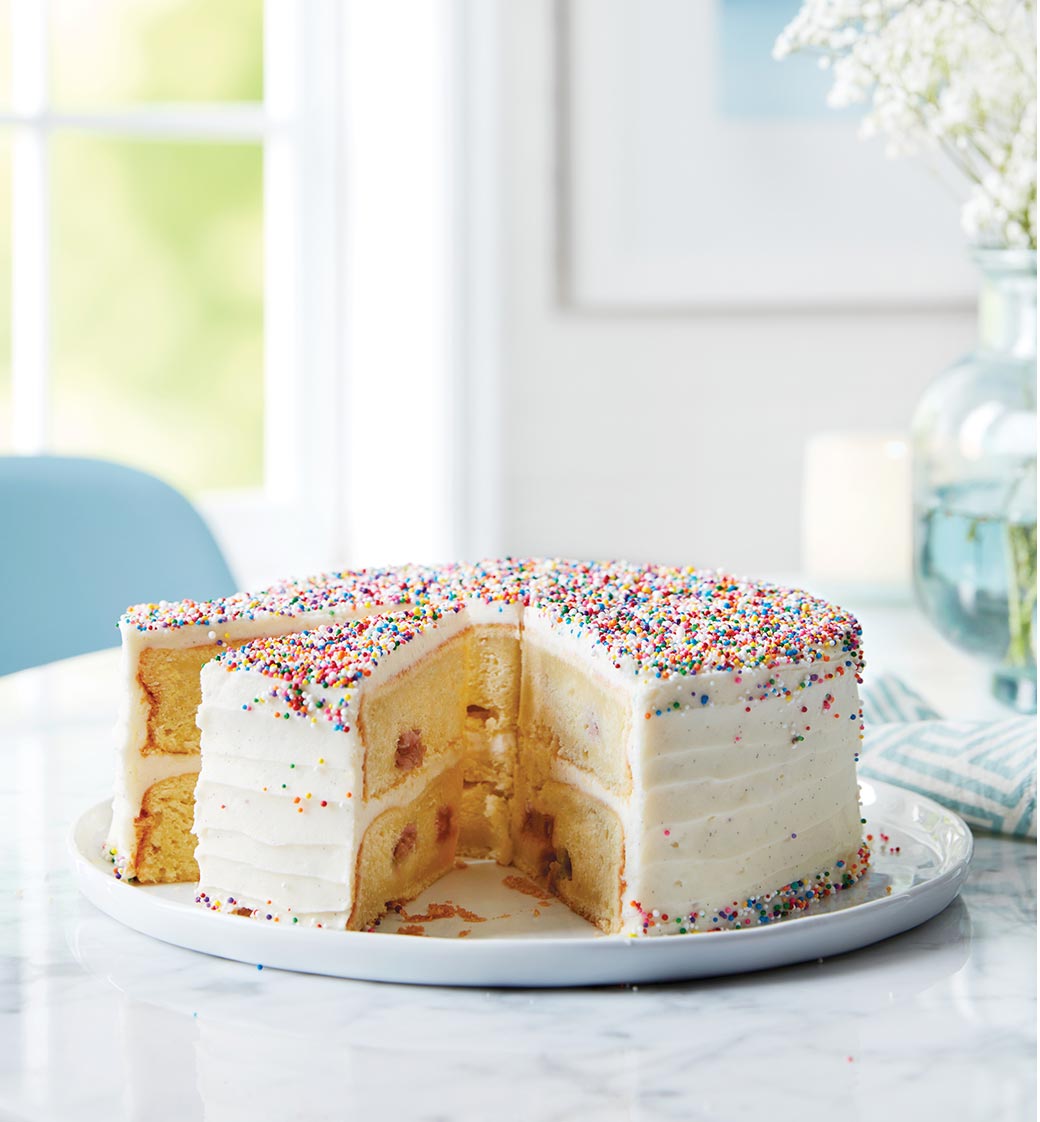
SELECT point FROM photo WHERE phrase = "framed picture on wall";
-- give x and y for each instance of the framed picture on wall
(699, 172)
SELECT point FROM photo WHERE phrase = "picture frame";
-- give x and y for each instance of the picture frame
(672, 117)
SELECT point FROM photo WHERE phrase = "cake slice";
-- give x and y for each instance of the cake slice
(164, 647)
(332, 768)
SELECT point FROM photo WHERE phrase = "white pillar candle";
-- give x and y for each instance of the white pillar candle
(856, 510)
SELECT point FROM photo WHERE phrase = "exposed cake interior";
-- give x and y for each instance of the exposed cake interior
(168, 679)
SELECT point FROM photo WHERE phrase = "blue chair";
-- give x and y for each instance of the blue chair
(82, 539)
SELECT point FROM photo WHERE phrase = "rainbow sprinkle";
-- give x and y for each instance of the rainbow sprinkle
(319, 671)
(349, 591)
(757, 911)
(649, 619)
(665, 621)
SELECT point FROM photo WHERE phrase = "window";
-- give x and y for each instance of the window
(228, 255)
(137, 267)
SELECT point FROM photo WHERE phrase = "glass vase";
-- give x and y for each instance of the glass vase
(974, 444)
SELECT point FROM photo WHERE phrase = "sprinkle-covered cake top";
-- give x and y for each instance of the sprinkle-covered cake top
(504, 580)
(663, 621)
(334, 658)
(372, 588)
(649, 619)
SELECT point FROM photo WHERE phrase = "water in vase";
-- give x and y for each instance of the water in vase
(976, 577)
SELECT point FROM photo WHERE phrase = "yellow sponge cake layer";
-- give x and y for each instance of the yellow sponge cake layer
(407, 848)
(165, 843)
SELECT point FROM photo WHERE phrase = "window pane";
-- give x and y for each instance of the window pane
(118, 52)
(5, 55)
(5, 292)
(158, 307)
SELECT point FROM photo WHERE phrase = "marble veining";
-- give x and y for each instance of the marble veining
(98, 1022)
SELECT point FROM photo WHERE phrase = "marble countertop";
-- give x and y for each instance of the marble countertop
(99, 1022)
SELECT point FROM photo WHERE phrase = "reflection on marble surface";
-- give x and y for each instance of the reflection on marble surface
(98, 1022)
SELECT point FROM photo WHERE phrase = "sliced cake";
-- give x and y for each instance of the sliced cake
(667, 750)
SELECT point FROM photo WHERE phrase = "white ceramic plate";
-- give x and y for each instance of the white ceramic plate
(516, 938)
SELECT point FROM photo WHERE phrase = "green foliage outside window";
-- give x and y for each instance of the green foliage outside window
(156, 246)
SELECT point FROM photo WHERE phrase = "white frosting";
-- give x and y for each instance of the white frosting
(490, 747)
(481, 614)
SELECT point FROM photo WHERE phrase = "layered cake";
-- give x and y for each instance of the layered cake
(667, 750)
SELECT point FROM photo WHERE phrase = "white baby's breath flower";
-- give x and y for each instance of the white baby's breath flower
(954, 77)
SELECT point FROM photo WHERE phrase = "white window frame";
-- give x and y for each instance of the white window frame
(424, 283)
(380, 397)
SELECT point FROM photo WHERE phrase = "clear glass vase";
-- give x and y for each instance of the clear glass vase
(974, 441)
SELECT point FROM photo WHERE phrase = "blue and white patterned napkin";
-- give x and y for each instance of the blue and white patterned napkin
(984, 770)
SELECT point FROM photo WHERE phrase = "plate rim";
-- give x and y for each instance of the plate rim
(99, 887)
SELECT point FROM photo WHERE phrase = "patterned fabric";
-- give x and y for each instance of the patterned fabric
(984, 770)
(889, 700)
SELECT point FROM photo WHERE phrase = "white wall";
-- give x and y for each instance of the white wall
(675, 437)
